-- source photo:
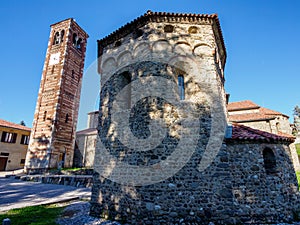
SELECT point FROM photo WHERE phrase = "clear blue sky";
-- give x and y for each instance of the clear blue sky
(261, 36)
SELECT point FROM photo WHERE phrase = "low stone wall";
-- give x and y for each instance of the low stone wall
(71, 180)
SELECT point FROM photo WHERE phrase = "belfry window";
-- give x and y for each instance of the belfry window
(75, 38)
(269, 161)
(77, 41)
(78, 46)
(58, 37)
(181, 87)
(62, 34)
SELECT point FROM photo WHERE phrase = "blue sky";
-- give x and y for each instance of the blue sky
(261, 37)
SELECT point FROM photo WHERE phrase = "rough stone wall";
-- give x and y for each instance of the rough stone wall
(53, 132)
(258, 196)
(259, 125)
(162, 160)
(140, 183)
(280, 123)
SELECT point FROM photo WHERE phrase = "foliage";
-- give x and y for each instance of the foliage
(22, 123)
(73, 169)
(33, 215)
(297, 111)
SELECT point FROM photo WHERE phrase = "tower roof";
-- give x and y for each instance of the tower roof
(160, 17)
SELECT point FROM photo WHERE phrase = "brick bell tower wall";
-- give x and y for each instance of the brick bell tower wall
(54, 127)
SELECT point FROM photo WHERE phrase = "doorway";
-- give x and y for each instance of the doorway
(3, 162)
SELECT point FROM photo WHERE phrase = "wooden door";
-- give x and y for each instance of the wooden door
(3, 161)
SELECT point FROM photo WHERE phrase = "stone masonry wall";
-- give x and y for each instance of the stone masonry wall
(146, 174)
(257, 195)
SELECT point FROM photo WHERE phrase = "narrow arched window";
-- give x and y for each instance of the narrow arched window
(181, 87)
(75, 38)
(45, 115)
(278, 126)
(56, 39)
(78, 45)
(67, 118)
(62, 34)
(269, 161)
(126, 80)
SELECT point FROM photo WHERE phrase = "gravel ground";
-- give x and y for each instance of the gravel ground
(77, 213)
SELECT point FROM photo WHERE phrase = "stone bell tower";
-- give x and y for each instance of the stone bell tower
(55, 119)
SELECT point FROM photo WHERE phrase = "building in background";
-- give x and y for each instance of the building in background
(250, 114)
(86, 142)
(54, 127)
(13, 145)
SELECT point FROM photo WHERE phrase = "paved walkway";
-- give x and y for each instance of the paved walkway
(17, 194)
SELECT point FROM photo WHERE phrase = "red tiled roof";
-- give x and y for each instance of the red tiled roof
(248, 117)
(4, 123)
(241, 132)
(242, 105)
(271, 112)
(261, 114)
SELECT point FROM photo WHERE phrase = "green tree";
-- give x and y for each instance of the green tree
(22, 123)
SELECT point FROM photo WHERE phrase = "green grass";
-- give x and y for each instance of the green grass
(33, 215)
(298, 179)
(298, 149)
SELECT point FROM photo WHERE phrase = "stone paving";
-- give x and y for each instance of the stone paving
(18, 194)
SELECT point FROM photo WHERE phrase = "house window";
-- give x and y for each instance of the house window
(4, 154)
(24, 139)
(8, 137)
(22, 161)
(181, 87)
(269, 161)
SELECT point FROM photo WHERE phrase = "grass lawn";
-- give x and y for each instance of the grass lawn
(298, 149)
(33, 215)
(298, 173)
